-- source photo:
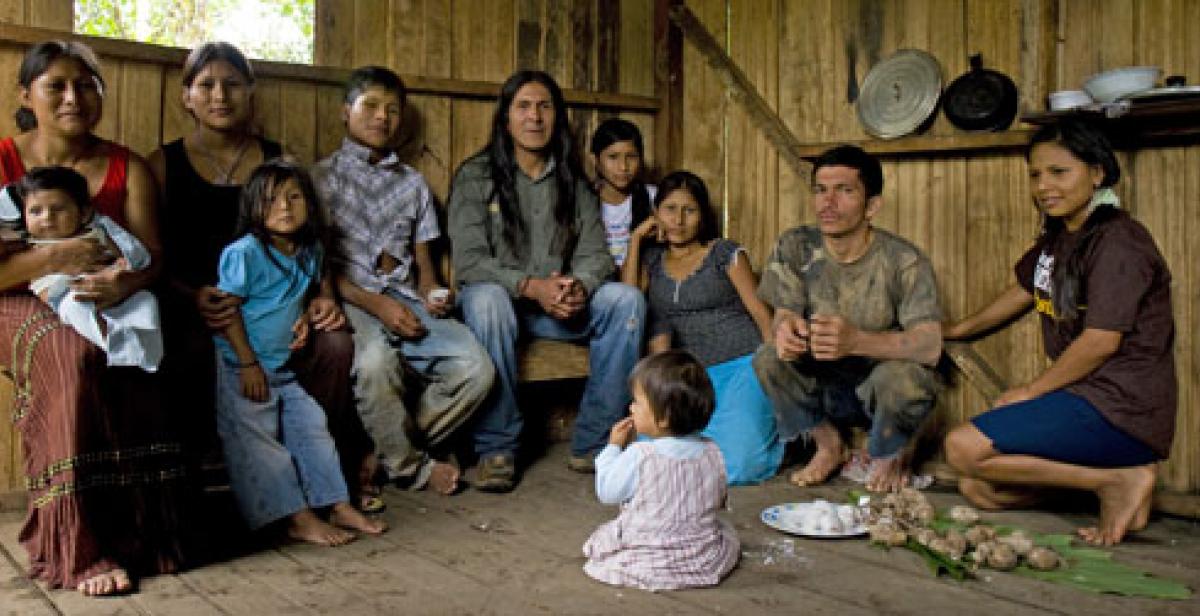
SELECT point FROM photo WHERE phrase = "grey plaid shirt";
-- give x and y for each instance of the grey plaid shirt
(374, 209)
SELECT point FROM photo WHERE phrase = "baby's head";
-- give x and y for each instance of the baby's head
(55, 202)
(672, 394)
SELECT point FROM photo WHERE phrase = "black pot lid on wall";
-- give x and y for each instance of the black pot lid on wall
(981, 99)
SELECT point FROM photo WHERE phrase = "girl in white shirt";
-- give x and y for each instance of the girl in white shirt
(625, 197)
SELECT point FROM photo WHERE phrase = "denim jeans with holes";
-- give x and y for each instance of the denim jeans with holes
(456, 373)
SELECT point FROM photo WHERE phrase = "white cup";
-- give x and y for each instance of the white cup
(439, 295)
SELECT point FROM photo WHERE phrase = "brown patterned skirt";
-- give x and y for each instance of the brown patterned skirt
(104, 479)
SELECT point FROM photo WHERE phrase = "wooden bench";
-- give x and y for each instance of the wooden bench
(551, 360)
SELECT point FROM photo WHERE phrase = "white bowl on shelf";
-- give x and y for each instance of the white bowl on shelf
(1108, 86)
(1068, 99)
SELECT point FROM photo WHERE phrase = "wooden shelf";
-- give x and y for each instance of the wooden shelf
(929, 145)
(1147, 120)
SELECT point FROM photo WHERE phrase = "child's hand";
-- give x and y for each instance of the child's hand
(325, 314)
(300, 331)
(254, 383)
(622, 433)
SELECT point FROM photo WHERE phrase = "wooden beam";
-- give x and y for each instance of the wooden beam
(668, 86)
(742, 90)
(173, 57)
(976, 369)
(1182, 504)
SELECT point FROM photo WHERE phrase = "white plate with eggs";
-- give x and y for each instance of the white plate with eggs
(818, 519)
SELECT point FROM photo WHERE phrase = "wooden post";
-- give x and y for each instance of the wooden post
(743, 90)
(1039, 62)
(333, 33)
(668, 85)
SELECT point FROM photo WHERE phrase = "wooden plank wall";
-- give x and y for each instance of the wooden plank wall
(595, 45)
(970, 212)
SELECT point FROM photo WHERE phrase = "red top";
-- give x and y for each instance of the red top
(110, 200)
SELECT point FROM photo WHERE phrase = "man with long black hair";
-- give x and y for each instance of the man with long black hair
(530, 254)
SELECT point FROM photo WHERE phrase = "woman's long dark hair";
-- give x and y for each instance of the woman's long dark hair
(615, 130)
(1088, 144)
(503, 166)
(259, 194)
(207, 53)
(692, 184)
(39, 58)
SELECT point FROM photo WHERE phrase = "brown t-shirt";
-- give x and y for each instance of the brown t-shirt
(1127, 289)
(890, 288)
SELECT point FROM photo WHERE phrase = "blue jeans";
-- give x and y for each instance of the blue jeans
(457, 376)
(281, 458)
(612, 325)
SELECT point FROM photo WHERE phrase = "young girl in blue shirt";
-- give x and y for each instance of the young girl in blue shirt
(282, 461)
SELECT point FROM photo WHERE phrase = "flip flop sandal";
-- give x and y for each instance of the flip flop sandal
(370, 500)
(371, 504)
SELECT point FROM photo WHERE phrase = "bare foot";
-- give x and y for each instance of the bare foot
(888, 474)
(108, 583)
(1121, 501)
(306, 526)
(1142, 518)
(444, 477)
(823, 463)
(345, 516)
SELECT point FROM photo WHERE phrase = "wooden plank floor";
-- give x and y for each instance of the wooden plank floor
(478, 553)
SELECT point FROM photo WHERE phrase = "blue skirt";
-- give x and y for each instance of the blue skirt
(743, 424)
(1064, 427)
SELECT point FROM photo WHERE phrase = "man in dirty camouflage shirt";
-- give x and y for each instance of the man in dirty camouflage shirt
(856, 330)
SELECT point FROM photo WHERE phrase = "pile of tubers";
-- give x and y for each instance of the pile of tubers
(907, 514)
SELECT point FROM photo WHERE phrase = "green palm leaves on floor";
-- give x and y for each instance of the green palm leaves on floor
(1087, 568)
(1094, 570)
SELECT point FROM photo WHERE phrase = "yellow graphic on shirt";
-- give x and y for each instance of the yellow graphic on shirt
(1044, 304)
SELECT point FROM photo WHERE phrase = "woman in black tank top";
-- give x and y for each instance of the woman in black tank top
(200, 176)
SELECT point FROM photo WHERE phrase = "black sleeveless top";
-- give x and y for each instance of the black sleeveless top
(199, 218)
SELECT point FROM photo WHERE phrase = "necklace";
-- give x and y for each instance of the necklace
(224, 175)
(72, 161)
